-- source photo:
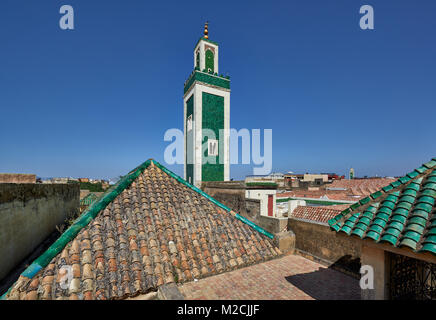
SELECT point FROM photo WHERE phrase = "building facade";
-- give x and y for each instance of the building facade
(206, 117)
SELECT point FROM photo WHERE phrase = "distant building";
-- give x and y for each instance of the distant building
(17, 178)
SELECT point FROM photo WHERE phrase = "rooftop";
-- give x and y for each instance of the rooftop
(152, 228)
(401, 214)
(318, 214)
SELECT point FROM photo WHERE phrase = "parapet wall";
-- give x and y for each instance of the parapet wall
(319, 241)
(229, 193)
(29, 213)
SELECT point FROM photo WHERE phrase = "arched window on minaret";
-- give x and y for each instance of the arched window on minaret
(210, 59)
(197, 60)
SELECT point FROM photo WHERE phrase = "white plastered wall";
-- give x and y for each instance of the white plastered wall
(262, 195)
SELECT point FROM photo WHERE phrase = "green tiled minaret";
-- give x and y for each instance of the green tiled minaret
(206, 117)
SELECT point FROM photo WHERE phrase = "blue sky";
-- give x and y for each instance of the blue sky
(96, 101)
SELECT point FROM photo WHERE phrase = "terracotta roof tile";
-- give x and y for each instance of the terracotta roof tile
(318, 214)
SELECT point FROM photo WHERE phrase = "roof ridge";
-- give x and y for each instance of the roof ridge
(213, 200)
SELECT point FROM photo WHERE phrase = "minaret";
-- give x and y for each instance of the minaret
(206, 117)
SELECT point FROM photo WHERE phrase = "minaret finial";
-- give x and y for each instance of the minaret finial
(206, 32)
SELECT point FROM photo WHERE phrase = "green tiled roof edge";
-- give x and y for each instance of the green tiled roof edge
(81, 222)
(219, 204)
(206, 78)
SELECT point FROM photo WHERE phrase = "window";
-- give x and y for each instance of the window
(189, 123)
(210, 61)
(212, 147)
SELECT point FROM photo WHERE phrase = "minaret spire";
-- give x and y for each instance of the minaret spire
(206, 32)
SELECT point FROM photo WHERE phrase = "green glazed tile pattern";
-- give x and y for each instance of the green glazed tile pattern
(400, 214)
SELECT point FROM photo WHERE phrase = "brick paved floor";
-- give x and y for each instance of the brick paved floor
(291, 277)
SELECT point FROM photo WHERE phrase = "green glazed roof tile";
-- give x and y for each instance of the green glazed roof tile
(373, 208)
(401, 211)
(424, 206)
(408, 243)
(367, 215)
(355, 206)
(420, 213)
(376, 194)
(388, 204)
(379, 222)
(413, 174)
(431, 179)
(396, 225)
(413, 186)
(430, 239)
(345, 229)
(426, 199)
(373, 235)
(404, 205)
(430, 164)
(409, 192)
(387, 188)
(383, 216)
(365, 221)
(365, 200)
(415, 236)
(432, 230)
(421, 169)
(414, 227)
(393, 232)
(429, 192)
(376, 228)
(395, 184)
(406, 198)
(336, 227)
(404, 179)
(349, 223)
(399, 218)
(344, 212)
(358, 232)
(388, 238)
(429, 185)
(418, 220)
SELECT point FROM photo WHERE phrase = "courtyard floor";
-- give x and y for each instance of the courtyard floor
(291, 277)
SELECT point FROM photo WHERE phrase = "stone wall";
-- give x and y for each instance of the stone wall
(319, 241)
(229, 193)
(232, 194)
(29, 213)
(17, 178)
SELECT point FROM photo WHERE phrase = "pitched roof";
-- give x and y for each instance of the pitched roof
(361, 187)
(348, 190)
(318, 214)
(152, 228)
(401, 214)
